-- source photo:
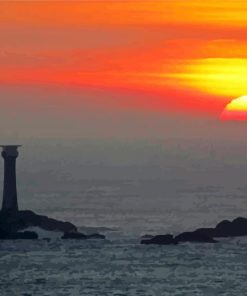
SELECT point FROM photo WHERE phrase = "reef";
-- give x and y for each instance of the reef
(224, 229)
(13, 223)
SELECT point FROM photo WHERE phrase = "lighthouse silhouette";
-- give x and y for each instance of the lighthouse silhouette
(9, 154)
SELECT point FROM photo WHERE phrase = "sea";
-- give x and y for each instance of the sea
(125, 210)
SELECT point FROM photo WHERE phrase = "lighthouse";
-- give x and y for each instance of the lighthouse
(9, 154)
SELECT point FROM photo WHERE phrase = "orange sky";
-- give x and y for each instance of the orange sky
(191, 54)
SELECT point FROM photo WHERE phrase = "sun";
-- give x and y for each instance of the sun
(235, 110)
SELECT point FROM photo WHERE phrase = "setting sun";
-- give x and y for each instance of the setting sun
(235, 110)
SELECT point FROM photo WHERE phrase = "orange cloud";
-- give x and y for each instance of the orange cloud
(222, 76)
(124, 12)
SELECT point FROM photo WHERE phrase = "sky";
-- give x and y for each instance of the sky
(119, 68)
(126, 90)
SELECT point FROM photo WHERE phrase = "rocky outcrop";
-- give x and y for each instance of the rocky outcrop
(74, 235)
(78, 235)
(160, 240)
(13, 222)
(18, 235)
(194, 237)
(237, 227)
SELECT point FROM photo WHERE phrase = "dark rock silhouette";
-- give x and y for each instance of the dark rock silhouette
(235, 228)
(194, 237)
(13, 222)
(160, 240)
(18, 235)
(74, 235)
(3, 233)
(78, 235)
(238, 227)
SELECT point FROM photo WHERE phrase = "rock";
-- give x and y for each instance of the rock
(3, 233)
(19, 235)
(194, 237)
(160, 240)
(237, 227)
(95, 236)
(78, 235)
(205, 231)
(74, 235)
(24, 219)
(225, 228)
(24, 235)
(11, 223)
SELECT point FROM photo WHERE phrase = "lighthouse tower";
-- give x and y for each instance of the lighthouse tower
(9, 154)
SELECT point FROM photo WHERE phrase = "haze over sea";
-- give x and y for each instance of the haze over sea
(134, 186)
(125, 189)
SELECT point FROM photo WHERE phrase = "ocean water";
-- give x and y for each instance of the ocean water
(122, 267)
(140, 206)
(124, 210)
